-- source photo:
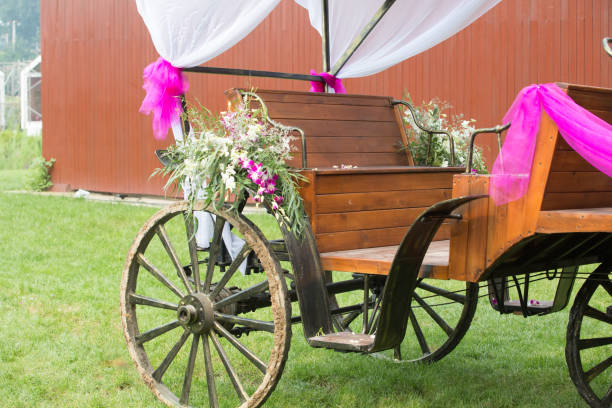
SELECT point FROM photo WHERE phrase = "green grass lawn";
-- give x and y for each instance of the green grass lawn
(12, 179)
(62, 345)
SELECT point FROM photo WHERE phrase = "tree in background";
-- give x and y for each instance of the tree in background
(19, 30)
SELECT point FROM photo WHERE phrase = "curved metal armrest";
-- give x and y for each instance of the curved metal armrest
(606, 45)
(279, 125)
(497, 129)
(451, 141)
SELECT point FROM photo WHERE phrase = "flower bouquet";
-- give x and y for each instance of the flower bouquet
(238, 154)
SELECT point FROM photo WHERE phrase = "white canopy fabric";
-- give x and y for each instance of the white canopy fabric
(188, 33)
(408, 28)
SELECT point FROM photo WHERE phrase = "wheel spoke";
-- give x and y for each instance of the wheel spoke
(598, 369)
(250, 291)
(419, 334)
(457, 297)
(165, 240)
(595, 342)
(144, 262)
(607, 398)
(158, 331)
(607, 285)
(242, 348)
(193, 249)
(161, 370)
(229, 368)
(212, 252)
(213, 401)
(596, 314)
(244, 252)
(252, 323)
(189, 370)
(147, 301)
(436, 317)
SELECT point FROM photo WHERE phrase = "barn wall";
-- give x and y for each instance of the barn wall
(94, 54)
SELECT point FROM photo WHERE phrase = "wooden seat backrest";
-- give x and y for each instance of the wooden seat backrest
(560, 180)
(340, 129)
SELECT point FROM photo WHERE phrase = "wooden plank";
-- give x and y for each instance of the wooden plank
(564, 161)
(378, 260)
(383, 182)
(307, 188)
(575, 182)
(280, 111)
(478, 215)
(360, 144)
(316, 160)
(403, 136)
(339, 241)
(558, 201)
(379, 200)
(315, 128)
(322, 98)
(459, 233)
(362, 220)
(564, 221)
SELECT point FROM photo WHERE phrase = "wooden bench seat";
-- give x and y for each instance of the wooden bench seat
(361, 191)
(377, 260)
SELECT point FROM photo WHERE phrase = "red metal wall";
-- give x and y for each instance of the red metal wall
(93, 55)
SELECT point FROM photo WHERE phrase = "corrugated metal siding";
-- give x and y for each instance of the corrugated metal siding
(94, 54)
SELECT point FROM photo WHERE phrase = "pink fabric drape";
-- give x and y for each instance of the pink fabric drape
(164, 85)
(331, 81)
(588, 135)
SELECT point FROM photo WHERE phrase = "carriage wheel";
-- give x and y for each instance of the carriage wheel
(441, 314)
(588, 348)
(200, 333)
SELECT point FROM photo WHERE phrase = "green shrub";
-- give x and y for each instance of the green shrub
(38, 178)
(17, 150)
(431, 115)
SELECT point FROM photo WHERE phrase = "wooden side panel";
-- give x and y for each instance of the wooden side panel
(573, 182)
(365, 210)
(516, 220)
(468, 239)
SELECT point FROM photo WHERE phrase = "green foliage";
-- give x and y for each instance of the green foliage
(17, 150)
(38, 178)
(26, 14)
(432, 115)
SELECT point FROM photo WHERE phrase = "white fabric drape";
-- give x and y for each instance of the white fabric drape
(187, 33)
(407, 29)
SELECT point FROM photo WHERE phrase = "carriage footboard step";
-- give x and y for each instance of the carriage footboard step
(347, 341)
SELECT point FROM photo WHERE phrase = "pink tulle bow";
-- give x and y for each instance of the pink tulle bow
(587, 134)
(331, 81)
(163, 84)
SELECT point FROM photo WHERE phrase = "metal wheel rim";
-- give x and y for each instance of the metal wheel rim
(574, 344)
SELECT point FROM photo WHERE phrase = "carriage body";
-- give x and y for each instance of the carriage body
(393, 231)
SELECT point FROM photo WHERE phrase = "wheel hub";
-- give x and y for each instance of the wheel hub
(195, 313)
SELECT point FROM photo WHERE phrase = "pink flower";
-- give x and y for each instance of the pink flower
(278, 199)
(274, 206)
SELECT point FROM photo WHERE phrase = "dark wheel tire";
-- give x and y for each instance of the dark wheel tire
(173, 300)
(588, 349)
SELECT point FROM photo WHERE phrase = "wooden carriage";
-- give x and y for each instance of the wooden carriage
(406, 237)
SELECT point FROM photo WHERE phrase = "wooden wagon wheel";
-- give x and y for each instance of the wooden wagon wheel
(172, 296)
(442, 312)
(588, 348)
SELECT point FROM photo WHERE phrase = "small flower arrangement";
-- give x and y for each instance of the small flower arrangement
(233, 154)
(431, 115)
